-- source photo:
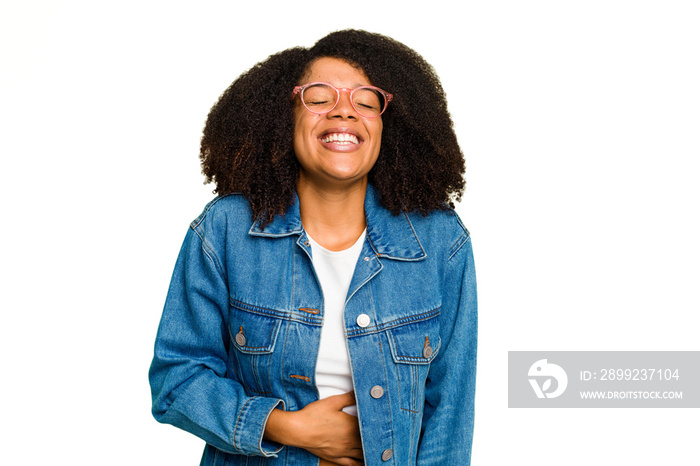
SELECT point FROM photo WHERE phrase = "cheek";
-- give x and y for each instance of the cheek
(301, 131)
(297, 138)
(377, 136)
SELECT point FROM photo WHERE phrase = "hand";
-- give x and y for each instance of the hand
(322, 428)
(334, 435)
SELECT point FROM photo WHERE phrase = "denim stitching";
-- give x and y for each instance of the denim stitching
(254, 369)
(196, 222)
(418, 359)
(284, 352)
(235, 427)
(457, 245)
(414, 389)
(290, 305)
(412, 396)
(285, 315)
(386, 377)
(425, 254)
(209, 252)
(258, 349)
(268, 382)
(395, 323)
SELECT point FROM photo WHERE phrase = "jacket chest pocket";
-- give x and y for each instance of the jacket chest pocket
(253, 337)
(413, 347)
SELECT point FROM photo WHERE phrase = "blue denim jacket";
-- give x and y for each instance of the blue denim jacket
(240, 332)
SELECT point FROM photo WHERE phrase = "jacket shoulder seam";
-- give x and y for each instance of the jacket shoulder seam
(208, 250)
(198, 221)
(463, 238)
(196, 226)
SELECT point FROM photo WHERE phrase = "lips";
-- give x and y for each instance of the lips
(340, 139)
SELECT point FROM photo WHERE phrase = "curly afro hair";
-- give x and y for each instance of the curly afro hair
(247, 145)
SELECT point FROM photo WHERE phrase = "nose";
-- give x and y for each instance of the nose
(344, 108)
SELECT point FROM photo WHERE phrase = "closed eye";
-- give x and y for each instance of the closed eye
(317, 102)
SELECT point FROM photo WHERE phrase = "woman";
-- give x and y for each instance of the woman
(323, 307)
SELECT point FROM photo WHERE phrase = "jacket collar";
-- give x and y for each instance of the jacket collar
(391, 236)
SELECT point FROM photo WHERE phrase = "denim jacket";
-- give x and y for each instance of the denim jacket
(240, 332)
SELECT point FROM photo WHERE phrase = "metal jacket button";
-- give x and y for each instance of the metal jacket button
(363, 320)
(240, 338)
(376, 391)
(387, 454)
(427, 352)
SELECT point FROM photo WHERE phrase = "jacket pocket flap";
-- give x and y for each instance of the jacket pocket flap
(253, 333)
(415, 342)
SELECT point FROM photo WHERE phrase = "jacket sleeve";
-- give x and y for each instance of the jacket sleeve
(188, 380)
(448, 419)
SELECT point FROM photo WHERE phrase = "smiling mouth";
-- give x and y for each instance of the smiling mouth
(340, 138)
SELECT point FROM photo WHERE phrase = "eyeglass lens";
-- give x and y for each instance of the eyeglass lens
(321, 98)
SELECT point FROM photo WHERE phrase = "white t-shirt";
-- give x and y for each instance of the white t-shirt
(334, 270)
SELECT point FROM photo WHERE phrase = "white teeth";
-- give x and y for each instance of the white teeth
(341, 138)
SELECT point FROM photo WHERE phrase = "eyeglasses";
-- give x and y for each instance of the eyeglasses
(321, 98)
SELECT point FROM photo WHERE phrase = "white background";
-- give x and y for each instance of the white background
(580, 125)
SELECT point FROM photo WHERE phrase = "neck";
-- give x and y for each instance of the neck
(334, 218)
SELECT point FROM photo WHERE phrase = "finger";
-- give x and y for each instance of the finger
(343, 400)
(347, 461)
(342, 460)
(357, 454)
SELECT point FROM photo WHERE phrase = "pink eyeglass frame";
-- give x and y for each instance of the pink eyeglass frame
(299, 89)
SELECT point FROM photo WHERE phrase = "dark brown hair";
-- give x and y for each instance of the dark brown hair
(247, 145)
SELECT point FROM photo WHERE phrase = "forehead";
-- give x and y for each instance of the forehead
(335, 71)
